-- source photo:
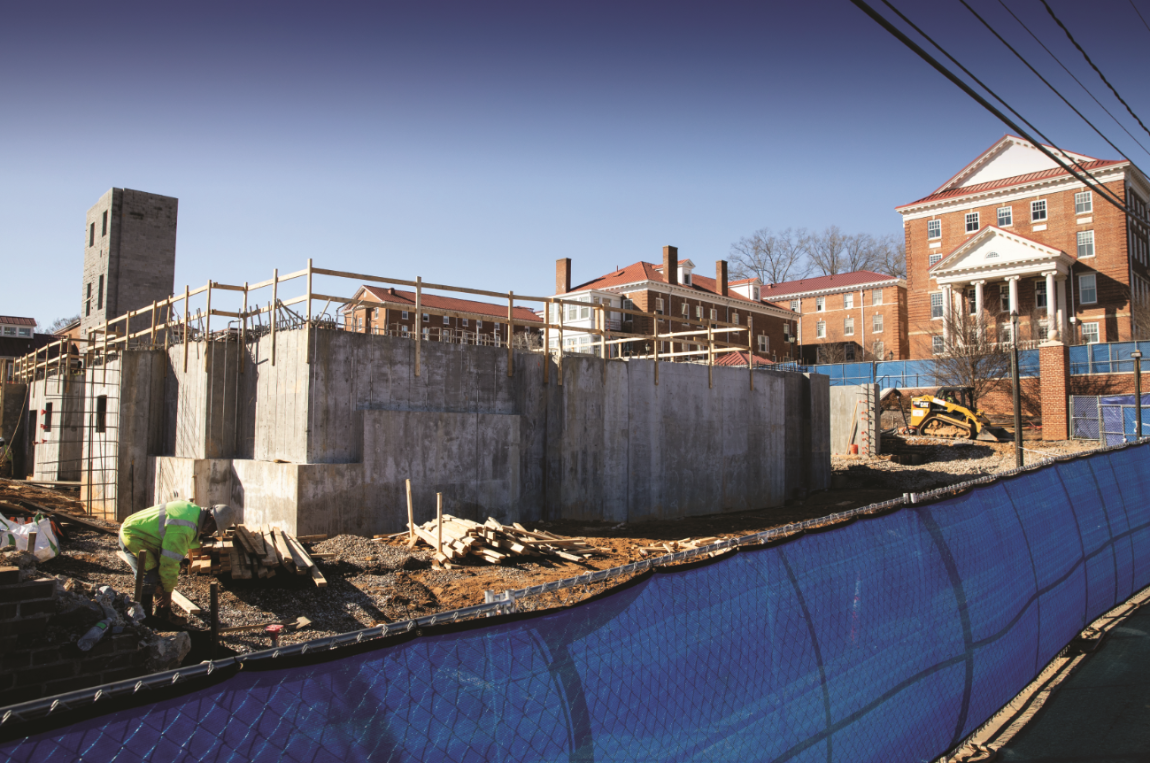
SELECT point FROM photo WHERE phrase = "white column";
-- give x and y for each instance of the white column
(1063, 329)
(1013, 281)
(947, 308)
(978, 302)
(1052, 332)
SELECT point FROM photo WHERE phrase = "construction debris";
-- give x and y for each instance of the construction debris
(675, 546)
(257, 552)
(493, 542)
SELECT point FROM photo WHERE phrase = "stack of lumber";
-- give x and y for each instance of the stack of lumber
(247, 552)
(675, 546)
(493, 542)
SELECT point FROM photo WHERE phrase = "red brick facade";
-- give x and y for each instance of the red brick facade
(396, 316)
(1054, 370)
(938, 225)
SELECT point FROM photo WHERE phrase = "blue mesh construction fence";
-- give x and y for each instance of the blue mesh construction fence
(889, 638)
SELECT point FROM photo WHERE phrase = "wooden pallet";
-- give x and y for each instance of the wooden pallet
(249, 552)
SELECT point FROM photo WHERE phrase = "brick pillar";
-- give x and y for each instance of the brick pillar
(1054, 379)
(670, 267)
(563, 275)
(721, 278)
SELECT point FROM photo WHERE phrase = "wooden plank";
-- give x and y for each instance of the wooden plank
(185, 604)
(301, 566)
(255, 540)
(271, 558)
(236, 569)
(318, 538)
(318, 578)
(245, 540)
(282, 550)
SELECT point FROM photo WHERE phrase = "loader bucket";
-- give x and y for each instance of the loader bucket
(994, 434)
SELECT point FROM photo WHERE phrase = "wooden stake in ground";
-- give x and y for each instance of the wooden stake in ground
(439, 522)
(141, 560)
(215, 602)
(410, 515)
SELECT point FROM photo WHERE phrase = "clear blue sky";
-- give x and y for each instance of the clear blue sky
(475, 143)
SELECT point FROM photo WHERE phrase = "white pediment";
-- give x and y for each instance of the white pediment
(995, 253)
(1009, 157)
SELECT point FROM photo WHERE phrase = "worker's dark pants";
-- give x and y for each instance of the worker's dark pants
(151, 579)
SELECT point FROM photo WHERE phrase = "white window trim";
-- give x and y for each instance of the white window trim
(998, 217)
(1089, 203)
(941, 304)
(849, 301)
(1093, 288)
(405, 316)
(934, 260)
(967, 219)
(820, 330)
(1045, 211)
(876, 293)
(1096, 334)
(1078, 244)
(849, 326)
(877, 322)
(427, 318)
(820, 304)
(937, 224)
(936, 345)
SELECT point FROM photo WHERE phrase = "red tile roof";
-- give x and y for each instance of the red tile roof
(739, 359)
(647, 271)
(14, 321)
(822, 283)
(1030, 177)
(407, 299)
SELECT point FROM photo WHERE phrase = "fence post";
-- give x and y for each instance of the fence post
(208, 331)
(187, 311)
(546, 342)
(510, 333)
(274, 309)
(418, 320)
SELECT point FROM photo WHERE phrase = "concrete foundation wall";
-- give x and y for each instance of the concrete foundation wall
(847, 404)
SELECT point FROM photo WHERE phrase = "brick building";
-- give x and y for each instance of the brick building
(485, 324)
(129, 256)
(1014, 231)
(846, 317)
(672, 289)
(18, 337)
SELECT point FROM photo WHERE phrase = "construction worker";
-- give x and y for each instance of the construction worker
(168, 531)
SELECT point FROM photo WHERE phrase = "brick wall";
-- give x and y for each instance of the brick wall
(1054, 364)
(1110, 263)
(892, 308)
(31, 667)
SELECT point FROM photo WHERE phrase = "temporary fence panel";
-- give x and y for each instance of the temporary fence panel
(1119, 418)
(1085, 417)
(892, 637)
(1105, 357)
(905, 374)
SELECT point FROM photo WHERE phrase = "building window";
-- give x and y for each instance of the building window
(426, 334)
(764, 343)
(1085, 243)
(820, 304)
(876, 296)
(426, 318)
(585, 312)
(971, 222)
(404, 329)
(1087, 289)
(1037, 211)
(848, 301)
(659, 305)
(1090, 333)
(936, 305)
(1040, 294)
(1083, 203)
(755, 289)
(794, 305)
(25, 332)
(9, 331)
(934, 258)
(104, 227)
(686, 309)
(92, 234)
(1005, 216)
(876, 323)
(47, 416)
(465, 322)
(1043, 331)
(699, 312)
(479, 325)
(934, 229)
(878, 349)
(1006, 333)
(714, 314)
(88, 302)
(1004, 298)
(735, 317)
(446, 321)
(404, 314)
(821, 330)
(100, 294)
(936, 345)
(849, 326)
(102, 412)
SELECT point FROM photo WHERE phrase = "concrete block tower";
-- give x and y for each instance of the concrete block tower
(129, 255)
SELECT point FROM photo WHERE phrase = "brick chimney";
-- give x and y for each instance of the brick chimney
(671, 264)
(721, 277)
(563, 275)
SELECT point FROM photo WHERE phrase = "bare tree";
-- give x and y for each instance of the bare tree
(890, 256)
(1139, 316)
(827, 251)
(971, 353)
(769, 256)
(61, 323)
(844, 352)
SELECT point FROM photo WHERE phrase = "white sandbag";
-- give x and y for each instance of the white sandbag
(12, 534)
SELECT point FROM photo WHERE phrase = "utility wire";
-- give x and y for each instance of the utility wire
(1102, 190)
(1135, 7)
(1044, 80)
(1072, 76)
(934, 63)
(1100, 74)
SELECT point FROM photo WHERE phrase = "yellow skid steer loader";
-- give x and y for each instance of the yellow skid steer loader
(948, 413)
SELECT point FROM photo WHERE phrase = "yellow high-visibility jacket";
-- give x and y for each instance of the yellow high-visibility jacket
(167, 532)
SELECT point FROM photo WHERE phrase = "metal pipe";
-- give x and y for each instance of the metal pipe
(1017, 389)
(1137, 355)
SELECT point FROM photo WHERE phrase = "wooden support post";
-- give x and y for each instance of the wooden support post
(104, 376)
(410, 514)
(547, 343)
(751, 349)
(710, 357)
(510, 333)
(562, 310)
(152, 336)
(418, 320)
(439, 523)
(215, 610)
(274, 309)
(141, 561)
(307, 316)
(601, 320)
(60, 369)
(244, 329)
(167, 324)
(208, 331)
(187, 314)
(655, 344)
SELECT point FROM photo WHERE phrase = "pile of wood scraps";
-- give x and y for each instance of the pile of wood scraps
(258, 552)
(686, 544)
(455, 539)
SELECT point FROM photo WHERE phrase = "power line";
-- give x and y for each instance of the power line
(1044, 80)
(1100, 74)
(1135, 7)
(934, 63)
(1072, 76)
(1102, 190)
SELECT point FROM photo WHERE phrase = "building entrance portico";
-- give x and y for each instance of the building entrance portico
(986, 274)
